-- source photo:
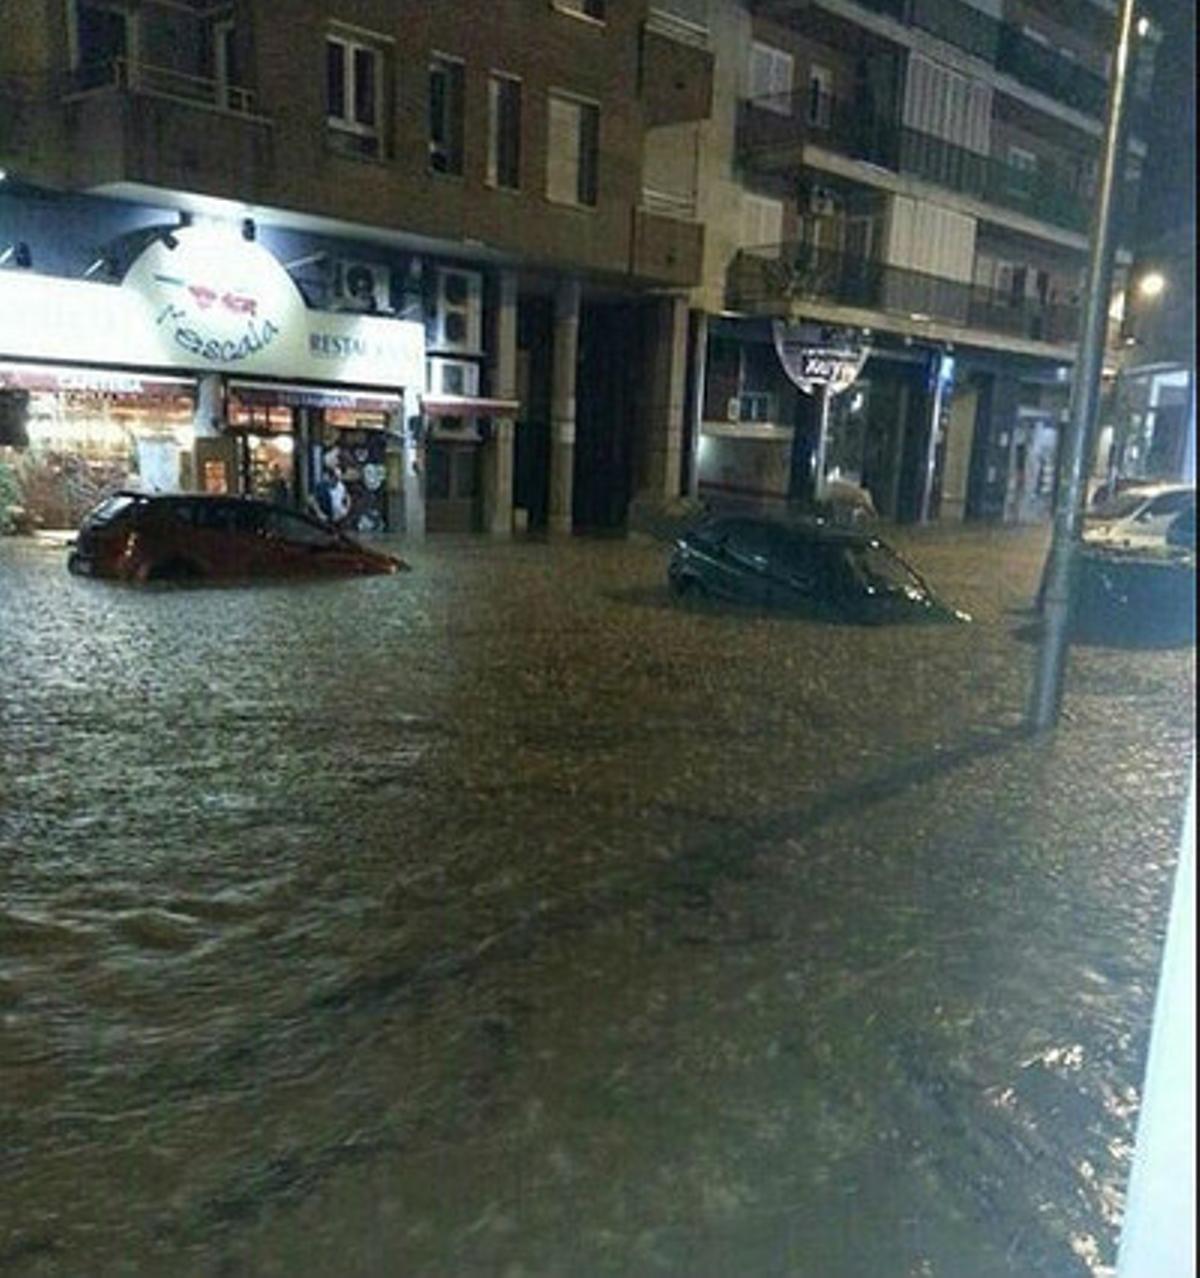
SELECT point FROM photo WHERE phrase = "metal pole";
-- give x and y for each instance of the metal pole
(822, 446)
(1046, 700)
(931, 451)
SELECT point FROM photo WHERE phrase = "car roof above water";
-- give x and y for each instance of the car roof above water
(799, 528)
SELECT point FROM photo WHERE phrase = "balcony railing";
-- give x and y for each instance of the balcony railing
(677, 27)
(768, 280)
(1006, 46)
(958, 24)
(773, 130)
(1044, 69)
(166, 82)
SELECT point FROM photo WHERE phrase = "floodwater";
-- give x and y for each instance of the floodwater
(503, 918)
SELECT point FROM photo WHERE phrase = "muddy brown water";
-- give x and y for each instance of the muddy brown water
(505, 918)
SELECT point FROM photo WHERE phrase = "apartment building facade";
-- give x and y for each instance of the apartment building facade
(240, 240)
(917, 175)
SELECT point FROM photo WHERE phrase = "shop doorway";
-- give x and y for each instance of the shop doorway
(453, 486)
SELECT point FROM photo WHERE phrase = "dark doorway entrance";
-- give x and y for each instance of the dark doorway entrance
(606, 409)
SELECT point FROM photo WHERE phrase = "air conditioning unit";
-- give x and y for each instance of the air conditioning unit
(458, 311)
(451, 377)
(363, 287)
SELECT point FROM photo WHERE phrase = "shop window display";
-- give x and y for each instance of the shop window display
(85, 443)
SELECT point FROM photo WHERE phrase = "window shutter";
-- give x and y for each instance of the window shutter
(562, 167)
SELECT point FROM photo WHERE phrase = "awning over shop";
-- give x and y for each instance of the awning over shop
(468, 406)
(58, 378)
(297, 396)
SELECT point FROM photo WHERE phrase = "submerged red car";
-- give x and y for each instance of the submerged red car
(193, 536)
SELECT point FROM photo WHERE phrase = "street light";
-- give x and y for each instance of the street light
(1151, 285)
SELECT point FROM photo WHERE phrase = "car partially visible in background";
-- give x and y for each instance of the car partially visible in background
(1139, 518)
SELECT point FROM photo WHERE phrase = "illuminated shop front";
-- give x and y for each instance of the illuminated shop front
(92, 430)
(203, 370)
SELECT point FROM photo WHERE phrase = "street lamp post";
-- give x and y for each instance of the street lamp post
(1046, 700)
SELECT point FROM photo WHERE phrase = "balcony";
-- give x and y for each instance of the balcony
(773, 132)
(667, 247)
(959, 24)
(676, 70)
(1042, 68)
(131, 122)
(772, 279)
(1007, 47)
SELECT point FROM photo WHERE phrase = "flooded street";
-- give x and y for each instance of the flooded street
(505, 918)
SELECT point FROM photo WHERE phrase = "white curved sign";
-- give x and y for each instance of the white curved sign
(813, 363)
(219, 300)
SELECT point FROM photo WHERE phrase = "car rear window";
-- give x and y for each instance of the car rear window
(112, 509)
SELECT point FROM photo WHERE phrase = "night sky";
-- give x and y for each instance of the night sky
(1168, 193)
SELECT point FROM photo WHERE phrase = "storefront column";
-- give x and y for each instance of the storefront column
(498, 453)
(562, 406)
(666, 384)
(206, 423)
(412, 450)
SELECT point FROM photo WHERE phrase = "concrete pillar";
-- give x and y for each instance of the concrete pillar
(699, 373)
(562, 406)
(206, 419)
(959, 438)
(498, 452)
(412, 483)
(666, 385)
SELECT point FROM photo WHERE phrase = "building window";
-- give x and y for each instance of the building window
(771, 78)
(582, 8)
(105, 44)
(504, 132)
(756, 406)
(762, 221)
(354, 94)
(446, 121)
(820, 95)
(572, 151)
(226, 67)
(1022, 171)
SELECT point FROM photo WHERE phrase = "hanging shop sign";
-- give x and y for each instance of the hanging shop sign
(213, 303)
(819, 358)
(216, 298)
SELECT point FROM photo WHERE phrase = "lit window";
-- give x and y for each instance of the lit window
(573, 151)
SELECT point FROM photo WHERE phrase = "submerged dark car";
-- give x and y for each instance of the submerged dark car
(194, 536)
(821, 571)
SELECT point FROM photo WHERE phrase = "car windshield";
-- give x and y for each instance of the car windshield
(880, 569)
(1121, 505)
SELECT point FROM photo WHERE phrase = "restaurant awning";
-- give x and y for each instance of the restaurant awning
(468, 406)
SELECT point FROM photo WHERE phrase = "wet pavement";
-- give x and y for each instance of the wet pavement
(506, 918)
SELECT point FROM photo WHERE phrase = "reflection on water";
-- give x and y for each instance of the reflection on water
(498, 919)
